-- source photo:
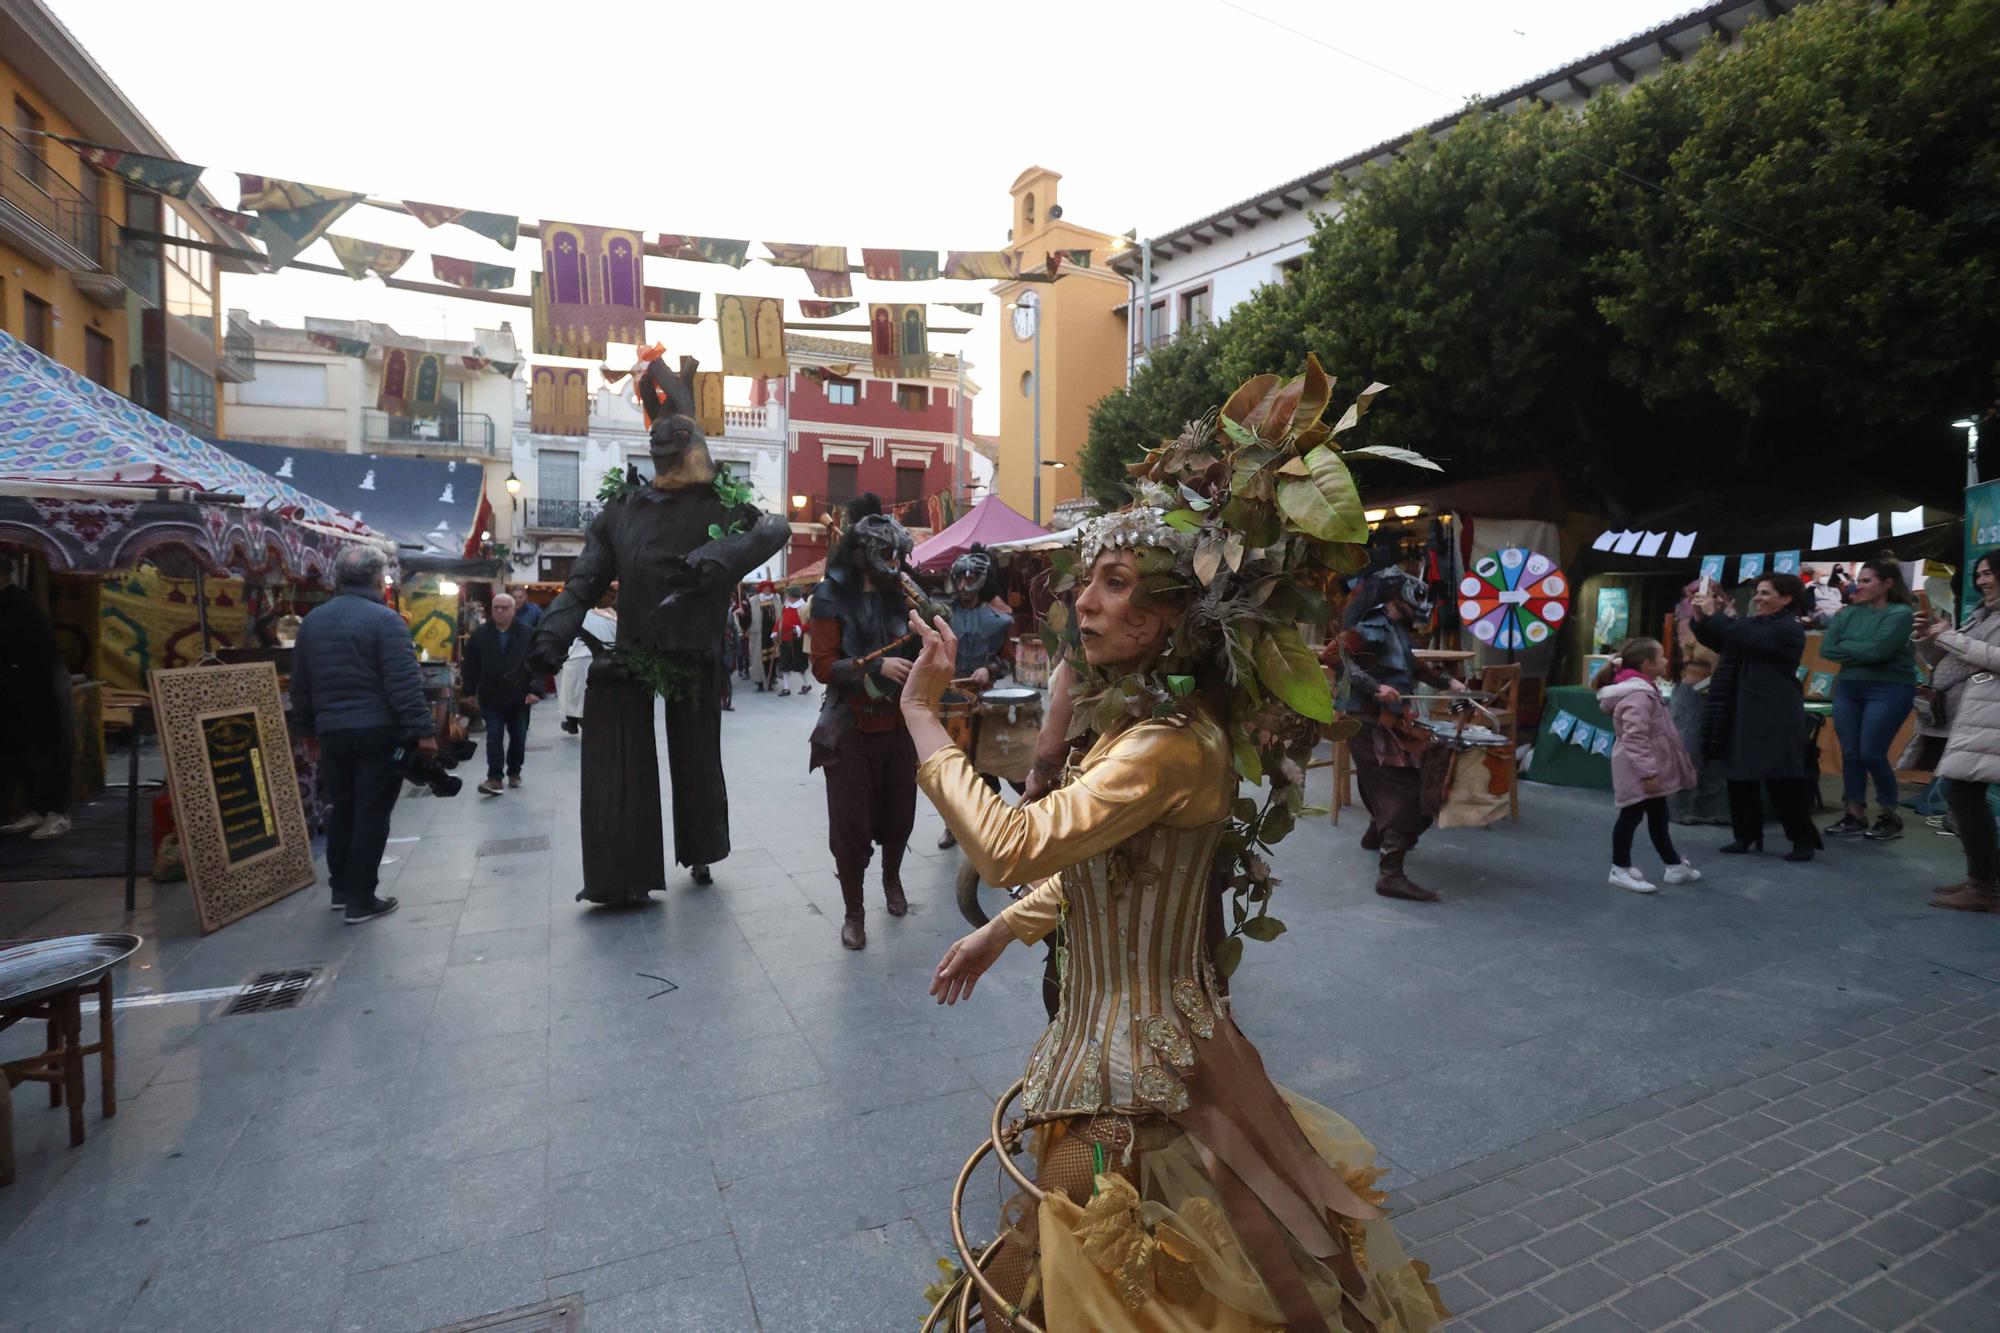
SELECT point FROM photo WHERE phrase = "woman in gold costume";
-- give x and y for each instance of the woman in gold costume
(1176, 1187)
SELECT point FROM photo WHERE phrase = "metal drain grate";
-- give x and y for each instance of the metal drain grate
(274, 990)
(512, 846)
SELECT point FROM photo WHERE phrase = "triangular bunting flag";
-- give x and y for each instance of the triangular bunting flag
(291, 215)
(900, 265)
(706, 249)
(161, 175)
(826, 309)
(830, 281)
(969, 307)
(1000, 266)
(502, 228)
(477, 277)
(360, 257)
(333, 342)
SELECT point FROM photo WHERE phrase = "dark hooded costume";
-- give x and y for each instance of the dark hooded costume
(674, 583)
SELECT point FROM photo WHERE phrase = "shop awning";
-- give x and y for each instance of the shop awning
(422, 504)
(989, 523)
(97, 483)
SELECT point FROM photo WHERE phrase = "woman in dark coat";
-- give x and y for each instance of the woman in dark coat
(1753, 727)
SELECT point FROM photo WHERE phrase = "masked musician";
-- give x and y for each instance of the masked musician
(858, 634)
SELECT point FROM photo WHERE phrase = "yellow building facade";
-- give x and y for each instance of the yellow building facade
(144, 317)
(1082, 349)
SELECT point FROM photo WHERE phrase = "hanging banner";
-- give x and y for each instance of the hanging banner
(501, 228)
(789, 254)
(898, 340)
(708, 403)
(826, 309)
(752, 333)
(411, 382)
(559, 400)
(334, 342)
(593, 282)
(1982, 534)
(1080, 258)
(359, 257)
(900, 265)
(969, 307)
(999, 266)
(235, 221)
(161, 175)
(707, 249)
(672, 303)
(830, 281)
(291, 215)
(476, 277)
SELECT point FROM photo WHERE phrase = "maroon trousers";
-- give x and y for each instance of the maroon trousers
(871, 799)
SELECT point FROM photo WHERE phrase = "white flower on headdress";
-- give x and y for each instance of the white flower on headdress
(1127, 530)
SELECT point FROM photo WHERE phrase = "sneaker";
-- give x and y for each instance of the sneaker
(377, 907)
(1681, 874)
(513, 779)
(491, 787)
(52, 827)
(1849, 825)
(1887, 828)
(27, 823)
(1628, 877)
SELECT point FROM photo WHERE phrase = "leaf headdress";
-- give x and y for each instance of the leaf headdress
(1242, 523)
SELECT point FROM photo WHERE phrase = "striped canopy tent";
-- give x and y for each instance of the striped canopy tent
(96, 483)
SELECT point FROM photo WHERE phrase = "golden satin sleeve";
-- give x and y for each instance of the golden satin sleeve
(1152, 773)
(1036, 912)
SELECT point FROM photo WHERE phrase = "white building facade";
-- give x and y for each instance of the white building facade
(1199, 272)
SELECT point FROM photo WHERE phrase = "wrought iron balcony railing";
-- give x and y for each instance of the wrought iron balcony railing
(561, 515)
(471, 432)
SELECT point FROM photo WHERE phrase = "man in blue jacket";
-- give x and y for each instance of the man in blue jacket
(357, 698)
(496, 664)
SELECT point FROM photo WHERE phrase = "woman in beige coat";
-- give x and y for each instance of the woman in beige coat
(1965, 677)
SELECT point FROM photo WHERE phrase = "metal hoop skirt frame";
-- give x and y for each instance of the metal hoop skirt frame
(974, 1279)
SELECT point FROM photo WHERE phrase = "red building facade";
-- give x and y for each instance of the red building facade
(848, 432)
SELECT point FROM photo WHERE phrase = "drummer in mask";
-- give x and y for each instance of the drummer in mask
(985, 635)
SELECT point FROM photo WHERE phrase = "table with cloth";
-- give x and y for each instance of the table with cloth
(1561, 764)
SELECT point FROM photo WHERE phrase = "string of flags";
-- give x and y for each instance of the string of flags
(1567, 726)
(1825, 536)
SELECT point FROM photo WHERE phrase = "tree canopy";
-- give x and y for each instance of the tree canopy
(1774, 256)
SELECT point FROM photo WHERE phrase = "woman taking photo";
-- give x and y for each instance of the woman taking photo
(1870, 639)
(1753, 725)
(1963, 702)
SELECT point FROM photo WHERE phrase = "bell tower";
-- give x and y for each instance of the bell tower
(1034, 192)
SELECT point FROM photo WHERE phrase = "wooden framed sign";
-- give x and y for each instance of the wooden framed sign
(236, 795)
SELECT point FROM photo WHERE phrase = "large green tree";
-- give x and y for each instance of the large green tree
(1772, 258)
(1176, 385)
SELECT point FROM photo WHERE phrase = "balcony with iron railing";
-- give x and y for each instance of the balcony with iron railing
(238, 362)
(910, 513)
(450, 431)
(560, 515)
(42, 212)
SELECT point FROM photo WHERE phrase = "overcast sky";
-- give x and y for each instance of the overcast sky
(893, 123)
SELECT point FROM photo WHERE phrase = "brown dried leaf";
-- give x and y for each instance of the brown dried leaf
(1247, 396)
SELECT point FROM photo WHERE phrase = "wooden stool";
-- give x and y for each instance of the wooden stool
(60, 1064)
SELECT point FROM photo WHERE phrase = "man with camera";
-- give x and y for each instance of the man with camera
(358, 700)
(496, 658)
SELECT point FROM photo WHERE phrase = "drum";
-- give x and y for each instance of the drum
(960, 715)
(1010, 718)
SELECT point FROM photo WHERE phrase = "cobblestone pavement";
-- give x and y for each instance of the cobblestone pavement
(1848, 1181)
(705, 1115)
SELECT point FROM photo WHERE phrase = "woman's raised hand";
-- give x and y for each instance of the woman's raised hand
(934, 666)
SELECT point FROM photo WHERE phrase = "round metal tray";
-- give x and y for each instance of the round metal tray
(1009, 694)
(29, 972)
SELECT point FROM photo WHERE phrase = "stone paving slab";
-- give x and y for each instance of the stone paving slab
(705, 1114)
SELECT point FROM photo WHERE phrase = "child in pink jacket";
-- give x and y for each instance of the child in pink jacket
(1648, 761)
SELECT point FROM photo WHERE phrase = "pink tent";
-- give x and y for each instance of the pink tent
(987, 522)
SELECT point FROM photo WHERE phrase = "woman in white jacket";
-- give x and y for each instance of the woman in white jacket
(1965, 675)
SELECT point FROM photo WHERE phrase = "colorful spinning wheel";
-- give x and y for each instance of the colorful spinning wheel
(1514, 598)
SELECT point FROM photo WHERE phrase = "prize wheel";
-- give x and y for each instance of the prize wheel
(1513, 599)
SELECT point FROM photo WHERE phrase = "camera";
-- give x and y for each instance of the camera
(426, 770)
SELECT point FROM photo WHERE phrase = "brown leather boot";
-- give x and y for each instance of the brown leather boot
(1973, 897)
(853, 934)
(1391, 882)
(892, 885)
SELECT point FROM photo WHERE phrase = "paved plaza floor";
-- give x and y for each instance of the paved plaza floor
(1771, 1099)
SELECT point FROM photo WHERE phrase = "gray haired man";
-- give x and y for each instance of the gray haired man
(357, 698)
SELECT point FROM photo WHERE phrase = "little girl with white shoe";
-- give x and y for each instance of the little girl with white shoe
(1648, 761)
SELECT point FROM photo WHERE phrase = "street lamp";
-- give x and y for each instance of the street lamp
(799, 501)
(1971, 428)
(513, 484)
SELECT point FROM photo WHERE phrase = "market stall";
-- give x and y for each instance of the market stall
(990, 523)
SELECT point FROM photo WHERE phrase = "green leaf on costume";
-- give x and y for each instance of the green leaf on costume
(1182, 520)
(715, 532)
(1326, 504)
(1228, 954)
(1390, 451)
(1290, 670)
(1248, 764)
(1240, 435)
(1264, 928)
(1181, 686)
(1275, 826)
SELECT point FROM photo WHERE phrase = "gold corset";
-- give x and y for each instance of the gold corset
(1123, 852)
